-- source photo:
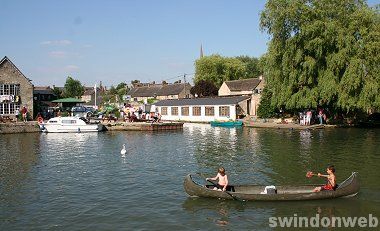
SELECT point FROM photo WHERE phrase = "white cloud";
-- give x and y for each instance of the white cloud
(58, 54)
(71, 68)
(63, 42)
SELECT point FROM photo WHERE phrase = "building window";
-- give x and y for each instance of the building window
(164, 111)
(174, 110)
(196, 111)
(9, 89)
(210, 111)
(185, 111)
(9, 108)
(224, 111)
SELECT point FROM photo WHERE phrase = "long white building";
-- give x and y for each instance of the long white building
(203, 109)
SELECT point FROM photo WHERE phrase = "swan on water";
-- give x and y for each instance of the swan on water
(123, 151)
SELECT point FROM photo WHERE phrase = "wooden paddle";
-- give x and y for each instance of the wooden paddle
(233, 196)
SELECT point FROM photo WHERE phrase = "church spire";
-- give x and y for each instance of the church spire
(201, 54)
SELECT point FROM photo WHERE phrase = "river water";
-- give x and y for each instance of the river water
(82, 182)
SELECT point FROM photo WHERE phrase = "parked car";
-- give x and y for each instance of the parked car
(82, 111)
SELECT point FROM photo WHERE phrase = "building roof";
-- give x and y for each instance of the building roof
(231, 100)
(149, 91)
(172, 89)
(43, 90)
(68, 100)
(243, 84)
(158, 90)
(90, 90)
(15, 67)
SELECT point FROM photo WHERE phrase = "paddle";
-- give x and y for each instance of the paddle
(309, 174)
(234, 197)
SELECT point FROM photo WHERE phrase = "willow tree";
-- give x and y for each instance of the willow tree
(218, 69)
(322, 53)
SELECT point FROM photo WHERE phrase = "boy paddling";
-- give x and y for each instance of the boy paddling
(331, 180)
(222, 179)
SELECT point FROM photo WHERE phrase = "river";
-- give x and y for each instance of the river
(82, 182)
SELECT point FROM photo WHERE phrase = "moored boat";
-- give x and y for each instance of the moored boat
(348, 188)
(69, 124)
(229, 123)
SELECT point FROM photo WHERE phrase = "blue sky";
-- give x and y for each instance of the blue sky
(117, 41)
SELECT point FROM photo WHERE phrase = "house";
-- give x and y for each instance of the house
(16, 90)
(160, 92)
(89, 96)
(42, 96)
(202, 109)
(44, 93)
(248, 87)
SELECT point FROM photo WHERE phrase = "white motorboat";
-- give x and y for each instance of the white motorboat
(69, 124)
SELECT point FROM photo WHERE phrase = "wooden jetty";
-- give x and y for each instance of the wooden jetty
(143, 126)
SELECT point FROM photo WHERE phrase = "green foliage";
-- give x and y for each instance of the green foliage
(58, 92)
(252, 67)
(121, 90)
(151, 101)
(324, 53)
(204, 88)
(265, 109)
(218, 69)
(73, 88)
(115, 94)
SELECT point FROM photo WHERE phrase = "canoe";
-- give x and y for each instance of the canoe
(348, 188)
(237, 123)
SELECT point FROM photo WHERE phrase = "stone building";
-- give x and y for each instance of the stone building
(16, 90)
(248, 87)
(89, 96)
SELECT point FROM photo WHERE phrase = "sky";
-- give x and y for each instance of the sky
(118, 41)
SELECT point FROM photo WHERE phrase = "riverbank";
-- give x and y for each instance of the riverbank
(287, 125)
(19, 127)
(32, 126)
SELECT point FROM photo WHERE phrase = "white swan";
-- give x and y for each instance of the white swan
(123, 151)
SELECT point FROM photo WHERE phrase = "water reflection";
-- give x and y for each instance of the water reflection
(82, 180)
(18, 154)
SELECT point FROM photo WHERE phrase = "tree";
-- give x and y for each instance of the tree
(204, 88)
(218, 69)
(58, 92)
(73, 88)
(266, 109)
(252, 68)
(322, 53)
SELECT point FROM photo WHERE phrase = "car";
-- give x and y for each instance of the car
(82, 111)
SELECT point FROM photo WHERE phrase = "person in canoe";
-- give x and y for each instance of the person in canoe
(331, 180)
(222, 178)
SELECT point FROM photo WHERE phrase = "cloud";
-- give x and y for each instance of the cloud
(57, 42)
(71, 68)
(57, 69)
(58, 54)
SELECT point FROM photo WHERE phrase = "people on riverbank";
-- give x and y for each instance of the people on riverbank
(309, 115)
(222, 178)
(321, 116)
(24, 112)
(331, 180)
